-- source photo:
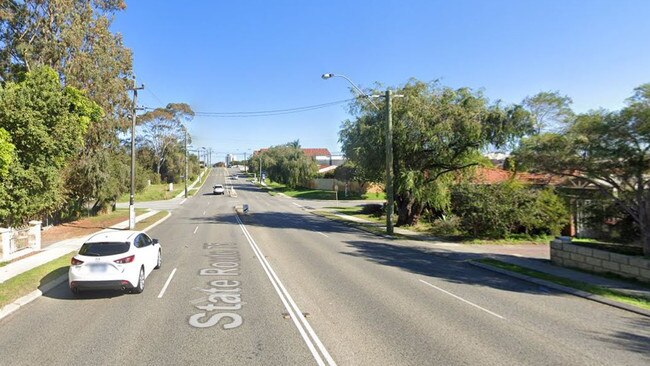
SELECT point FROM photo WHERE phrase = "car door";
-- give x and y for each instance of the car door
(148, 252)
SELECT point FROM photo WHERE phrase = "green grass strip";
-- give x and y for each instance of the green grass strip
(29, 281)
(150, 220)
(596, 290)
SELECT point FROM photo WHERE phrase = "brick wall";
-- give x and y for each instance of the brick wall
(565, 254)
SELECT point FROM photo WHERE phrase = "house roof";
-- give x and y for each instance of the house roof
(312, 152)
(497, 175)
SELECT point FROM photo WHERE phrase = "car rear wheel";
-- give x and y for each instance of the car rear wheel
(140, 286)
(75, 291)
(159, 262)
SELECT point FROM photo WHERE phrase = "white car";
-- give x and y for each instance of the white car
(218, 189)
(117, 260)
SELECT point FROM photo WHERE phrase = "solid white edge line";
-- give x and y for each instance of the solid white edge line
(183, 201)
(195, 229)
(463, 300)
(323, 234)
(294, 311)
(169, 280)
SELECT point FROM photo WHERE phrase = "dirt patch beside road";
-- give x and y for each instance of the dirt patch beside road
(82, 227)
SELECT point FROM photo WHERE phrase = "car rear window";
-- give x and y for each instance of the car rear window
(103, 248)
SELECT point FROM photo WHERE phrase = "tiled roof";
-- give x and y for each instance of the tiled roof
(497, 175)
(316, 152)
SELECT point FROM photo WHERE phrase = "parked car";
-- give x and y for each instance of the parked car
(117, 260)
(218, 189)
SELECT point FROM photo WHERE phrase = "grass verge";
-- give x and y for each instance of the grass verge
(143, 224)
(319, 194)
(29, 281)
(369, 227)
(596, 290)
(154, 192)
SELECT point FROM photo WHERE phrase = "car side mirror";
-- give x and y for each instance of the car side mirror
(155, 241)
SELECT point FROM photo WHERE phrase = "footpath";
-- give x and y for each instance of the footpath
(535, 257)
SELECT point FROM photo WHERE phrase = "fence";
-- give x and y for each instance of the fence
(15, 242)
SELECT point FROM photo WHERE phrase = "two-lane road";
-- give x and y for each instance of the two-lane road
(283, 287)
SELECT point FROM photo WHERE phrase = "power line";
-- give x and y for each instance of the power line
(265, 113)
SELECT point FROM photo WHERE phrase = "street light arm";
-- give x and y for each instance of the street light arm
(327, 76)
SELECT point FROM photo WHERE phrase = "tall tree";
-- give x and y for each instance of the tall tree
(610, 150)
(73, 37)
(163, 128)
(550, 110)
(437, 131)
(46, 123)
(286, 164)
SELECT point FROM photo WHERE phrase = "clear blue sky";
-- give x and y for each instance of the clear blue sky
(230, 56)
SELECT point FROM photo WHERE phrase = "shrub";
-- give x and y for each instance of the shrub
(499, 210)
(449, 226)
(374, 209)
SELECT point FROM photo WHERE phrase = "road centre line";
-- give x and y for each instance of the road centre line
(323, 234)
(169, 280)
(463, 300)
(293, 310)
(195, 229)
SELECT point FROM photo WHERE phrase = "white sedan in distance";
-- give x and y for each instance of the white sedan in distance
(116, 260)
(218, 189)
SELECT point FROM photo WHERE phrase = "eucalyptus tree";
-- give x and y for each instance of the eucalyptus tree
(610, 150)
(549, 110)
(438, 132)
(163, 128)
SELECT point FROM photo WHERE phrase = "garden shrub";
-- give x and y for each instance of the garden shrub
(499, 210)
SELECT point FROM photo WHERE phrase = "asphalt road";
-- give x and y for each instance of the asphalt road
(281, 286)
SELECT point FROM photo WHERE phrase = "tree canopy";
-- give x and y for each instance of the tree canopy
(437, 131)
(46, 123)
(608, 149)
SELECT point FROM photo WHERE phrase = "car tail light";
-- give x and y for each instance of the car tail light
(75, 262)
(125, 260)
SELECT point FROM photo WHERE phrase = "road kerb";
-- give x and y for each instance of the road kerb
(24, 300)
(569, 290)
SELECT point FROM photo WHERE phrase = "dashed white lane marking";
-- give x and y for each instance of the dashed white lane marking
(323, 234)
(295, 204)
(169, 280)
(195, 229)
(463, 300)
(204, 212)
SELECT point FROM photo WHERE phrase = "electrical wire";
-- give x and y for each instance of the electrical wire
(266, 113)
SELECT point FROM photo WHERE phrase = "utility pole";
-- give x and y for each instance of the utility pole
(389, 163)
(260, 166)
(132, 194)
(186, 170)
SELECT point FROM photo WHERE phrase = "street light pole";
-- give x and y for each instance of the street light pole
(389, 148)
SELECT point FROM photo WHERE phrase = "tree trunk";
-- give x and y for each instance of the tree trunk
(406, 210)
(644, 224)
